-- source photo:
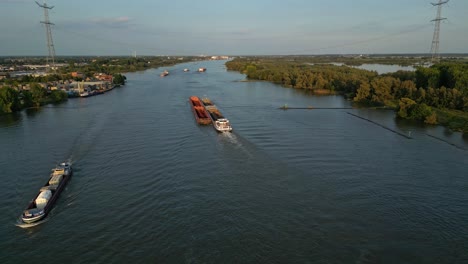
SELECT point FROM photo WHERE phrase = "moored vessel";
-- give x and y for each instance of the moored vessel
(220, 123)
(41, 205)
(85, 94)
(201, 115)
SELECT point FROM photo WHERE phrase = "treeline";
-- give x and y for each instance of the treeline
(119, 79)
(12, 100)
(115, 65)
(333, 78)
(415, 95)
(35, 79)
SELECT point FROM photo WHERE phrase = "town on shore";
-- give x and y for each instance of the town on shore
(27, 82)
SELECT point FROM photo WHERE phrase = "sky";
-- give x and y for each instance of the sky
(231, 27)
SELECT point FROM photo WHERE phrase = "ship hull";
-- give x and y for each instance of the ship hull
(29, 218)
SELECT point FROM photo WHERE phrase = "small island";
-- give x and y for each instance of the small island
(433, 94)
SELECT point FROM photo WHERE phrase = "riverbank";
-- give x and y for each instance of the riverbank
(76, 77)
(417, 95)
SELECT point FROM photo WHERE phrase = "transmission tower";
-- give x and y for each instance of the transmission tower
(435, 39)
(50, 41)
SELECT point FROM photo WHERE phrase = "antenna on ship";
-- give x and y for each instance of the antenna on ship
(50, 41)
(435, 39)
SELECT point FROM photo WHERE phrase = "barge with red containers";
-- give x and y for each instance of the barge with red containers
(201, 115)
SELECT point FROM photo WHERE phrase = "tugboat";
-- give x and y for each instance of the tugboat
(48, 194)
(220, 123)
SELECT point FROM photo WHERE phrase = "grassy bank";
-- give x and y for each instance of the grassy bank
(453, 119)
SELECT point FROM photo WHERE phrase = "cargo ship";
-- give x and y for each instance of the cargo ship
(220, 123)
(48, 194)
(199, 111)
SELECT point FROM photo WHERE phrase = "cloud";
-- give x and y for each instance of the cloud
(14, 1)
(114, 22)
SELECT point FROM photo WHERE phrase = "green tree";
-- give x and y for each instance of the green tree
(420, 112)
(382, 90)
(9, 100)
(119, 79)
(363, 93)
(27, 99)
(58, 96)
(38, 94)
(405, 107)
(431, 119)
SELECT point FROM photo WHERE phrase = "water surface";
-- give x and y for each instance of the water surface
(296, 186)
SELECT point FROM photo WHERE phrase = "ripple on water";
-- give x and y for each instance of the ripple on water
(150, 185)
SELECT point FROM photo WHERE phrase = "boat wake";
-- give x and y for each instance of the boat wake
(237, 142)
(20, 223)
(230, 137)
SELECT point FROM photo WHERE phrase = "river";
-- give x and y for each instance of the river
(295, 186)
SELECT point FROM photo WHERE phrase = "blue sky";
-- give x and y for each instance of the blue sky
(255, 27)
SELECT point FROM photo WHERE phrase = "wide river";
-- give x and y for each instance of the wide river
(296, 186)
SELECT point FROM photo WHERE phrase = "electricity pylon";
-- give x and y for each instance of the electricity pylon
(50, 41)
(435, 40)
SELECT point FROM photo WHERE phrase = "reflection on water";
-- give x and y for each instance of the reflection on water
(31, 112)
(465, 137)
(11, 119)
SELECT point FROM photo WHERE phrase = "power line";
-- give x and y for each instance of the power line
(436, 37)
(50, 41)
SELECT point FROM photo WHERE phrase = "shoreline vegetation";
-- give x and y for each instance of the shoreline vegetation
(434, 95)
(36, 90)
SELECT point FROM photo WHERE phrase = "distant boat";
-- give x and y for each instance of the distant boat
(164, 73)
(201, 69)
(85, 94)
(186, 70)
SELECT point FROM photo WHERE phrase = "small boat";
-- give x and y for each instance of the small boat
(85, 94)
(48, 194)
(186, 70)
(220, 123)
(201, 115)
(201, 69)
(164, 73)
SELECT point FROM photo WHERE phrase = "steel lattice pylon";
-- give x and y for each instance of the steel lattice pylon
(50, 41)
(435, 40)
